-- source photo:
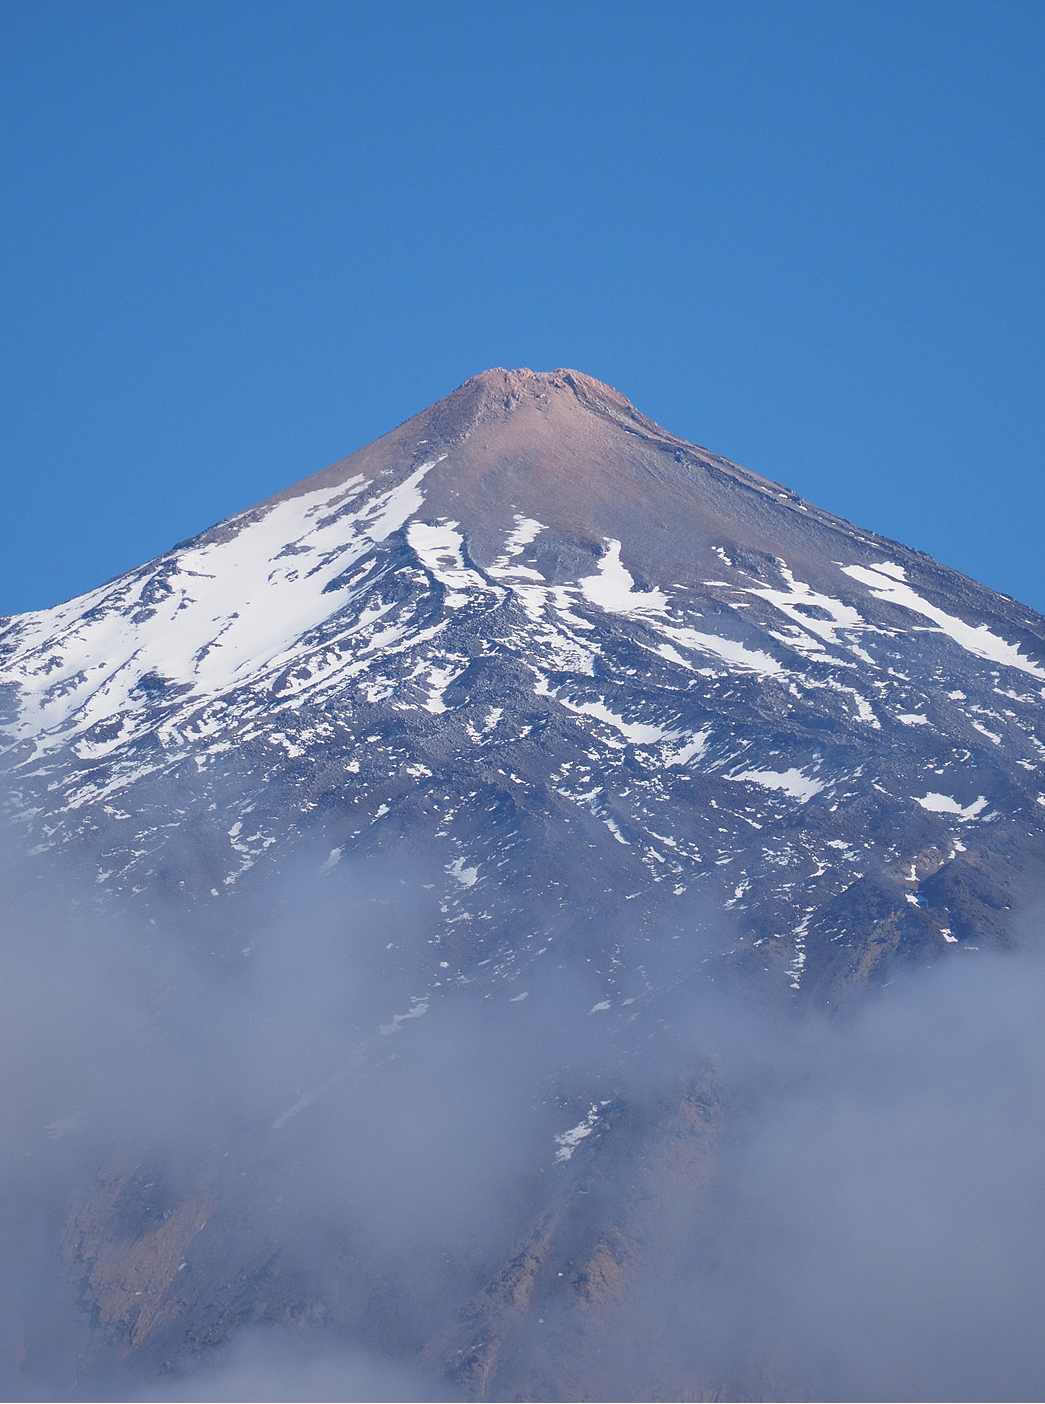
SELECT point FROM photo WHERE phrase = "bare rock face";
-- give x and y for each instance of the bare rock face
(532, 724)
(130, 1253)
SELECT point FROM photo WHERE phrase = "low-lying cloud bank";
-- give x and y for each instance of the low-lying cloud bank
(874, 1228)
(882, 1210)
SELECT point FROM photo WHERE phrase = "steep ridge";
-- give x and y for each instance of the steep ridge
(608, 704)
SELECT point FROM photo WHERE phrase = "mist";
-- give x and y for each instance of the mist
(329, 1172)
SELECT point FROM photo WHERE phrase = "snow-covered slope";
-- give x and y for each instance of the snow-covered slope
(532, 602)
(592, 719)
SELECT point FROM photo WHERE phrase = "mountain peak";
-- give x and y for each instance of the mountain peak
(498, 383)
(504, 417)
(502, 392)
(540, 722)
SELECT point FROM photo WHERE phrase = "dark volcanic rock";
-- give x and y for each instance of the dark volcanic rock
(603, 712)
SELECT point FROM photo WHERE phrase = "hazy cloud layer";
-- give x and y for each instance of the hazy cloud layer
(876, 1222)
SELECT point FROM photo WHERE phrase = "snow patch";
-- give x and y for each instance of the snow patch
(793, 782)
(526, 530)
(638, 733)
(728, 650)
(467, 877)
(568, 1141)
(695, 745)
(798, 602)
(440, 547)
(976, 639)
(613, 589)
(945, 804)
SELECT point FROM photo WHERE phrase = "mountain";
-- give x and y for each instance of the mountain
(530, 618)
(542, 715)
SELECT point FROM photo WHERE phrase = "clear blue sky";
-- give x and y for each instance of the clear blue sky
(241, 239)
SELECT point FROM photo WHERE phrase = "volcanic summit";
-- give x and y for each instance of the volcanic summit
(542, 716)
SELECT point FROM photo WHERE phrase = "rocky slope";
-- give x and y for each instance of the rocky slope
(623, 719)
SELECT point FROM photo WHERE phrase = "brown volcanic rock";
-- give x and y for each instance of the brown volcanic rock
(563, 1317)
(127, 1260)
(563, 446)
